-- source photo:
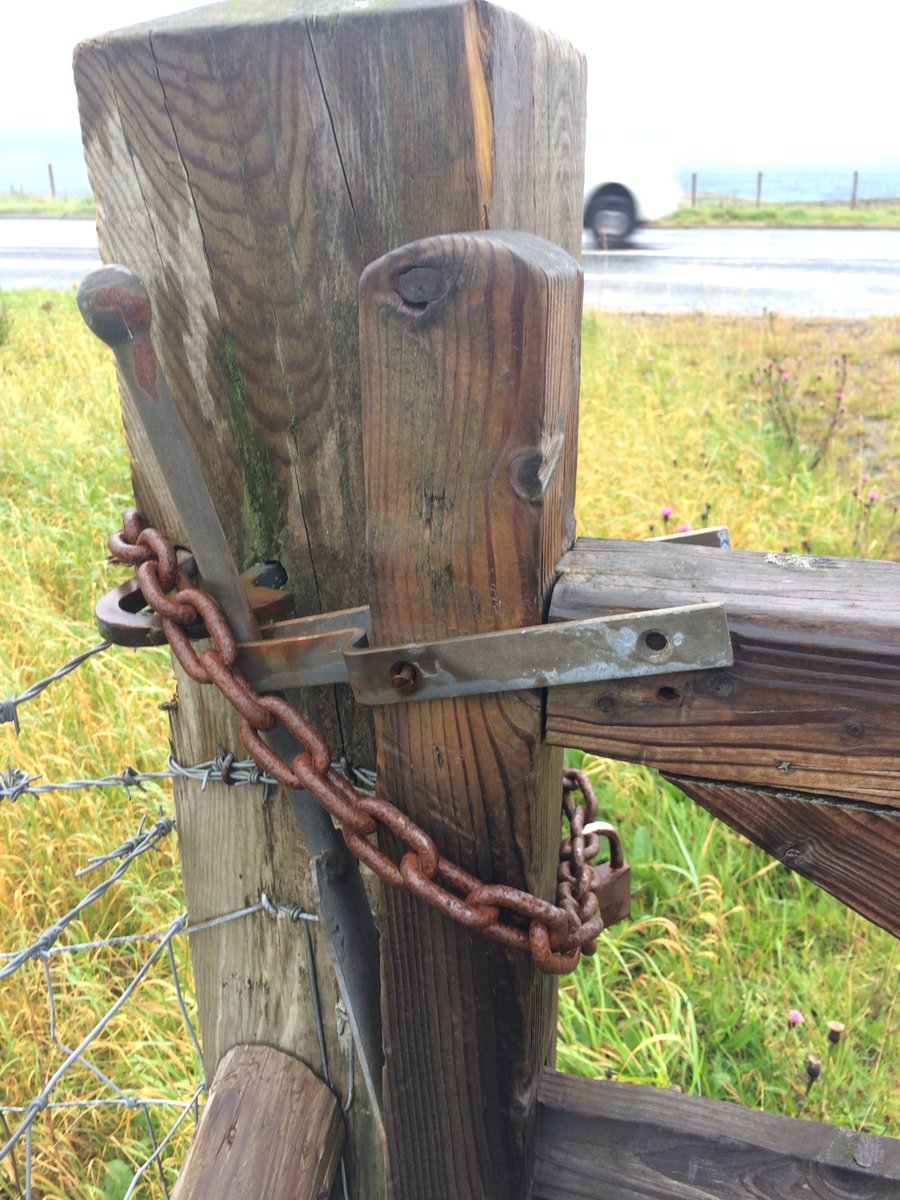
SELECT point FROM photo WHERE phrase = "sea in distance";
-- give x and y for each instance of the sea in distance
(24, 162)
(806, 184)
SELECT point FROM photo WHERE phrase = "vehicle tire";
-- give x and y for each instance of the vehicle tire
(611, 218)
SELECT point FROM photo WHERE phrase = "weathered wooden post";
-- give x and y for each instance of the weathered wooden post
(249, 160)
(470, 350)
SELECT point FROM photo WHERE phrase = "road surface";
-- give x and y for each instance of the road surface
(801, 272)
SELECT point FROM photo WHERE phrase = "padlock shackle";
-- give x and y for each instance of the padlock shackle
(616, 851)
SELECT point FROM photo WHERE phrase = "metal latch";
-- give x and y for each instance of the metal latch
(321, 650)
(693, 637)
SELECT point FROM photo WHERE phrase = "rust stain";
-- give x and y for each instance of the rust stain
(143, 358)
(133, 309)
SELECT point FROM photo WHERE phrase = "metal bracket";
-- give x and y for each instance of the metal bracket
(334, 648)
(644, 643)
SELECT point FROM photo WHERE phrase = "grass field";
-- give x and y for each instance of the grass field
(23, 204)
(784, 430)
(728, 210)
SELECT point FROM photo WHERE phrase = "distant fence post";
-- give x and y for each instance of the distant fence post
(470, 348)
(694, 189)
(759, 179)
(249, 161)
(853, 192)
(52, 180)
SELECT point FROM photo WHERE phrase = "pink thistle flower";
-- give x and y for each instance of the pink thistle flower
(842, 408)
(795, 1017)
(666, 511)
(684, 527)
(873, 495)
(784, 377)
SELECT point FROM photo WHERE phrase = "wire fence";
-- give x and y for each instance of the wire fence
(76, 1069)
(792, 187)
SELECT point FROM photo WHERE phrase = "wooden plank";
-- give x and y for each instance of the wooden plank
(850, 850)
(813, 700)
(616, 1141)
(248, 161)
(469, 402)
(249, 1142)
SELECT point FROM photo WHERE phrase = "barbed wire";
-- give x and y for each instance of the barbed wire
(16, 783)
(45, 947)
(9, 707)
(140, 844)
(222, 768)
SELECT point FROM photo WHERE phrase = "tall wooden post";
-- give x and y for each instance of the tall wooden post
(470, 350)
(249, 160)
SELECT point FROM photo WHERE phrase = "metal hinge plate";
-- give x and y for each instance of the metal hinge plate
(335, 649)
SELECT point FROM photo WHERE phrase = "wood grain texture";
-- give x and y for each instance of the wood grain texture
(616, 1141)
(469, 401)
(850, 850)
(248, 160)
(249, 1144)
(812, 703)
(251, 976)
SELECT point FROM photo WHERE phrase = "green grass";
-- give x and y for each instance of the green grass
(25, 204)
(690, 413)
(726, 210)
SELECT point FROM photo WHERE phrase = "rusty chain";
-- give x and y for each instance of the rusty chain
(556, 934)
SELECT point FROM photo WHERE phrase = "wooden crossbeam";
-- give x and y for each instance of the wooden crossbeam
(812, 703)
(616, 1141)
(797, 745)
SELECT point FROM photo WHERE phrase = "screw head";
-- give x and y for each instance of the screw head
(404, 678)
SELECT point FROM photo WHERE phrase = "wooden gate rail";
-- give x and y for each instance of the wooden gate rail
(618, 1141)
(797, 744)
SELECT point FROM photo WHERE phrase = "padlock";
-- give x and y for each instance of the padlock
(612, 879)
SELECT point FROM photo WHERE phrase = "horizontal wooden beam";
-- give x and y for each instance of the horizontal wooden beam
(812, 703)
(616, 1141)
(850, 850)
(270, 1128)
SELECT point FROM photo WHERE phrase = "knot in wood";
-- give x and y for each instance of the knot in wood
(420, 286)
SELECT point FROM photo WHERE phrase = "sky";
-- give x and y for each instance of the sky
(776, 85)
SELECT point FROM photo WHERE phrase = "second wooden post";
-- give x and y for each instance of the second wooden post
(470, 352)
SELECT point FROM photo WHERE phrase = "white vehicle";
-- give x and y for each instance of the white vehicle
(620, 195)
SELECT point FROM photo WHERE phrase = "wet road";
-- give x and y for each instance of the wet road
(802, 272)
(46, 253)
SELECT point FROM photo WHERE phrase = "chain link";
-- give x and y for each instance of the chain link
(556, 935)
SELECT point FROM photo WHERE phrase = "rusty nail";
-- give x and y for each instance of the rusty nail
(404, 678)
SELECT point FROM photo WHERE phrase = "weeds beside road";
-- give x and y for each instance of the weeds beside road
(19, 204)
(719, 210)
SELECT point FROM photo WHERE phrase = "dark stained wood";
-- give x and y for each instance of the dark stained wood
(469, 402)
(851, 850)
(812, 703)
(249, 159)
(249, 1143)
(615, 1141)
